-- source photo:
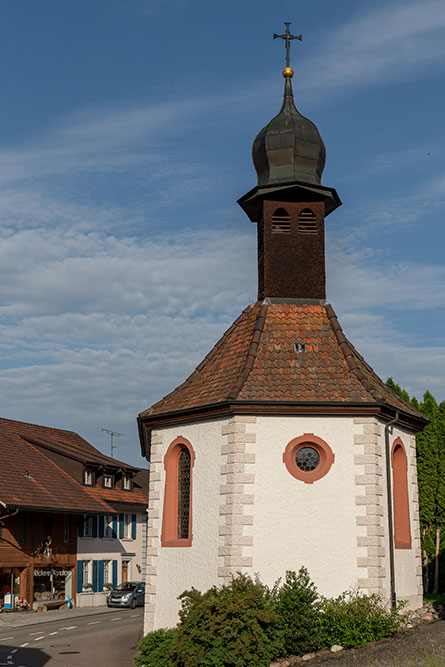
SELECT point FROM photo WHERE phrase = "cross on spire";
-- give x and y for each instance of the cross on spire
(287, 37)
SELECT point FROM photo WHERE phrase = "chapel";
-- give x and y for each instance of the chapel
(283, 448)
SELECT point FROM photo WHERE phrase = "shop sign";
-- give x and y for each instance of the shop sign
(57, 572)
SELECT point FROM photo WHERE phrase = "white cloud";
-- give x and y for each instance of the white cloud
(386, 43)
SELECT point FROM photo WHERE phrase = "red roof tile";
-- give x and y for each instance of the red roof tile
(256, 360)
(28, 478)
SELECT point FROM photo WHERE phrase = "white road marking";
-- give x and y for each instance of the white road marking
(3, 639)
(37, 639)
(54, 633)
(134, 616)
(118, 618)
(68, 627)
(14, 650)
(35, 633)
(93, 623)
(25, 644)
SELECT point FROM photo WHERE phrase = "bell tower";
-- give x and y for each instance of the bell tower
(289, 204)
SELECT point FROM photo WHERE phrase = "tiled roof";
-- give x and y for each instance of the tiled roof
(64, 442)
(256, 360)
(28, 478)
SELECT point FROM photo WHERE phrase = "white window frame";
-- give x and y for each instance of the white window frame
(127, 482)
(127, 526)
(88, 477)
(107, 572)
(88, 526)
(108, 525)
(108, 481)
(86, 578)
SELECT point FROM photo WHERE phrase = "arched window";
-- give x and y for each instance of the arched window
(402, 528)
(281, 221)
(307, 221)
(177, 511)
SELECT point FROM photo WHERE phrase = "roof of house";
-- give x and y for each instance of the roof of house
(29, 478)
(256, 360)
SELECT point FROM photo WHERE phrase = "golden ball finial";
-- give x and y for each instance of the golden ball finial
(288, 72)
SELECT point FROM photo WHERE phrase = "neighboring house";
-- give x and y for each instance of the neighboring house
(111, 547)
(54, 486)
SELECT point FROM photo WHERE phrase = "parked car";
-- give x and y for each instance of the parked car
(129, 594)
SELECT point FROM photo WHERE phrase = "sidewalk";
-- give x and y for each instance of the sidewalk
(23, 618)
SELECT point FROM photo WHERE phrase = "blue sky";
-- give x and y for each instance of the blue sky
(126, 129)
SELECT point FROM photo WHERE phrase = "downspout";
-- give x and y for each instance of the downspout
(390, 511)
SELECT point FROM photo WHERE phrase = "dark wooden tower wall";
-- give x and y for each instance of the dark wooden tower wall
(291, 259)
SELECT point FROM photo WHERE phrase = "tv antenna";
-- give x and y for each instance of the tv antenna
(112, 434)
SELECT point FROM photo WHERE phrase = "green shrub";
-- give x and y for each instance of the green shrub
(157, 649)
(232, 625)
(298, 609)
(355, 619)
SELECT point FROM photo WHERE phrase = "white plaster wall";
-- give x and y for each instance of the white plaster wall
(180, 568)
(298, 524)
(408, 568)
(109, 548)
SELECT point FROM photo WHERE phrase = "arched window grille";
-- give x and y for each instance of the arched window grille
(177, 508)
(307, 221)
(184, 479)
(281, 221)
(402, 528)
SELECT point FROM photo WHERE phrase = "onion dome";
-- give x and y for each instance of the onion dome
(289, 148)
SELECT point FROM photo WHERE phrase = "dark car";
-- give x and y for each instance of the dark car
(129, 594)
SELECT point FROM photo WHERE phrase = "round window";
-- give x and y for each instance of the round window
(308, 458)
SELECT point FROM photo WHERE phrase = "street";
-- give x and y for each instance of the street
(102, 639)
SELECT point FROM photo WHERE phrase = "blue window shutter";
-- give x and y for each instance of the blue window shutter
(94, 526)
(114, 573)
(79, 576)
(101, 575)
(80, 527)
(94, 576)
(114, 528)
(133, 526)
(121, 526)
(101, 526)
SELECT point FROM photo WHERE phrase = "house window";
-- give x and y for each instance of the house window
(127, 482)
(85, 574)
(127, 526)
(107, 572)
(177, 511)
(308, 458)
(88, 527)
(88, 478)
(108, 531)
(402, 528)
(108, 481)
(66, 528)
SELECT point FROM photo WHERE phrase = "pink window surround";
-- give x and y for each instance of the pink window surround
(402, 527)
(169, 534)
(321, 447)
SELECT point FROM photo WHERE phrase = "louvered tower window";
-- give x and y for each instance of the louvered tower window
(307, 221)
(184, 471)
(281, 221)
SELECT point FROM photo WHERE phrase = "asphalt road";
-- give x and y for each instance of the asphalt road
(107, 640)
